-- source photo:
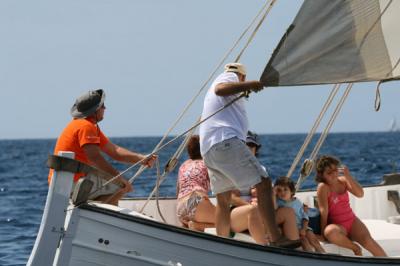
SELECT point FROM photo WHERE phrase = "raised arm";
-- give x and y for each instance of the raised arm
(351, 183)
(274, 195)
(303, 228)
(304, 219)
(231, 88)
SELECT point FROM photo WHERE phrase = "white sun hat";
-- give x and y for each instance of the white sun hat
(235, 67)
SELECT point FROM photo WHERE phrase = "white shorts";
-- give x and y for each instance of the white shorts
(231, 165)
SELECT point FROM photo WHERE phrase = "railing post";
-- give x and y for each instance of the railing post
(52, 225)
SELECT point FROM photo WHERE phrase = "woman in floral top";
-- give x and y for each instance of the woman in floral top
(194, 209)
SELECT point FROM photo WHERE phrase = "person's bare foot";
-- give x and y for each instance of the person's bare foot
(357, 250)
(283, 242)
(196, 226)
(268, 239)
(320, 250)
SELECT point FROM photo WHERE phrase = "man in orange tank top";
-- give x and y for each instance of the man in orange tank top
(84, 137)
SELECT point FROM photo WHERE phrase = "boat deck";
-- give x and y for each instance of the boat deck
(385, 233)
(375, 216)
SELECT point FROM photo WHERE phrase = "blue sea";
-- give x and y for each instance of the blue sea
(23, 175)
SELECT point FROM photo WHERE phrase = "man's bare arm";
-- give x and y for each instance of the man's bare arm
(124, 155)
(95, 157)
(231, 88)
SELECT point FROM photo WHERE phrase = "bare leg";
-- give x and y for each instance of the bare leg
(205, 212)
(222, 217)
(336, 234)
(248, 217)
(256, 227)
(359, 232)
(286, 218)
(266, 208)
(204, 216)
(306, 245)
(314, 242)
(239, 218)
(198, 226)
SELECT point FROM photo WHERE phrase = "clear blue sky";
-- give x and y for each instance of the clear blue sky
(151, 57)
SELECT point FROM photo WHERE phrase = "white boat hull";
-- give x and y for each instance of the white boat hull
(135, 240)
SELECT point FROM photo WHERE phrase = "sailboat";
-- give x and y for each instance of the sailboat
(393, 125)
(329, 42)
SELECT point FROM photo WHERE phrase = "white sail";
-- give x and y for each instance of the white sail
(336, 41)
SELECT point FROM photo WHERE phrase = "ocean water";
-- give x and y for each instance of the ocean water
(23, 175)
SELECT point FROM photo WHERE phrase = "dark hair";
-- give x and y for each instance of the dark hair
(193, 147)
(323, 162)
(285, 181)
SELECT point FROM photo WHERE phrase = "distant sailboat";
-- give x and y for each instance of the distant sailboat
(393, 127)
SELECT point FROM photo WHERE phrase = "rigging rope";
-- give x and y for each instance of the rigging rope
(174, 139)
(183, 145)
(308, 164)
(377, 93)
(267, 6)
(167, 170)
(142, 168)
(256, 29)
(170, 166)
(221, 62)
(313, 129)
(157, 195)
(331, 121)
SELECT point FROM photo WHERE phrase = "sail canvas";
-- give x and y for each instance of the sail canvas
(336, 41)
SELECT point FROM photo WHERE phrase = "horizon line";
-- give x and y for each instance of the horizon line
(159, 136)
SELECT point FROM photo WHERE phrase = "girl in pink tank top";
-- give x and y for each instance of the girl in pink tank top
(339, 224)
(339, 210)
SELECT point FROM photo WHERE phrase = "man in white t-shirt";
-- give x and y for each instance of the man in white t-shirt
(230, 163)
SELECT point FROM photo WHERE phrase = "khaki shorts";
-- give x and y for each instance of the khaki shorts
(231, 165)
(97, 189)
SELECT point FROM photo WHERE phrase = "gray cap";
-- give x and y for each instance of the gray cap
(252, 138)
(88, 103)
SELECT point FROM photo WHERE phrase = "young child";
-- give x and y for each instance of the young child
(339, 224)
(284, 190)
